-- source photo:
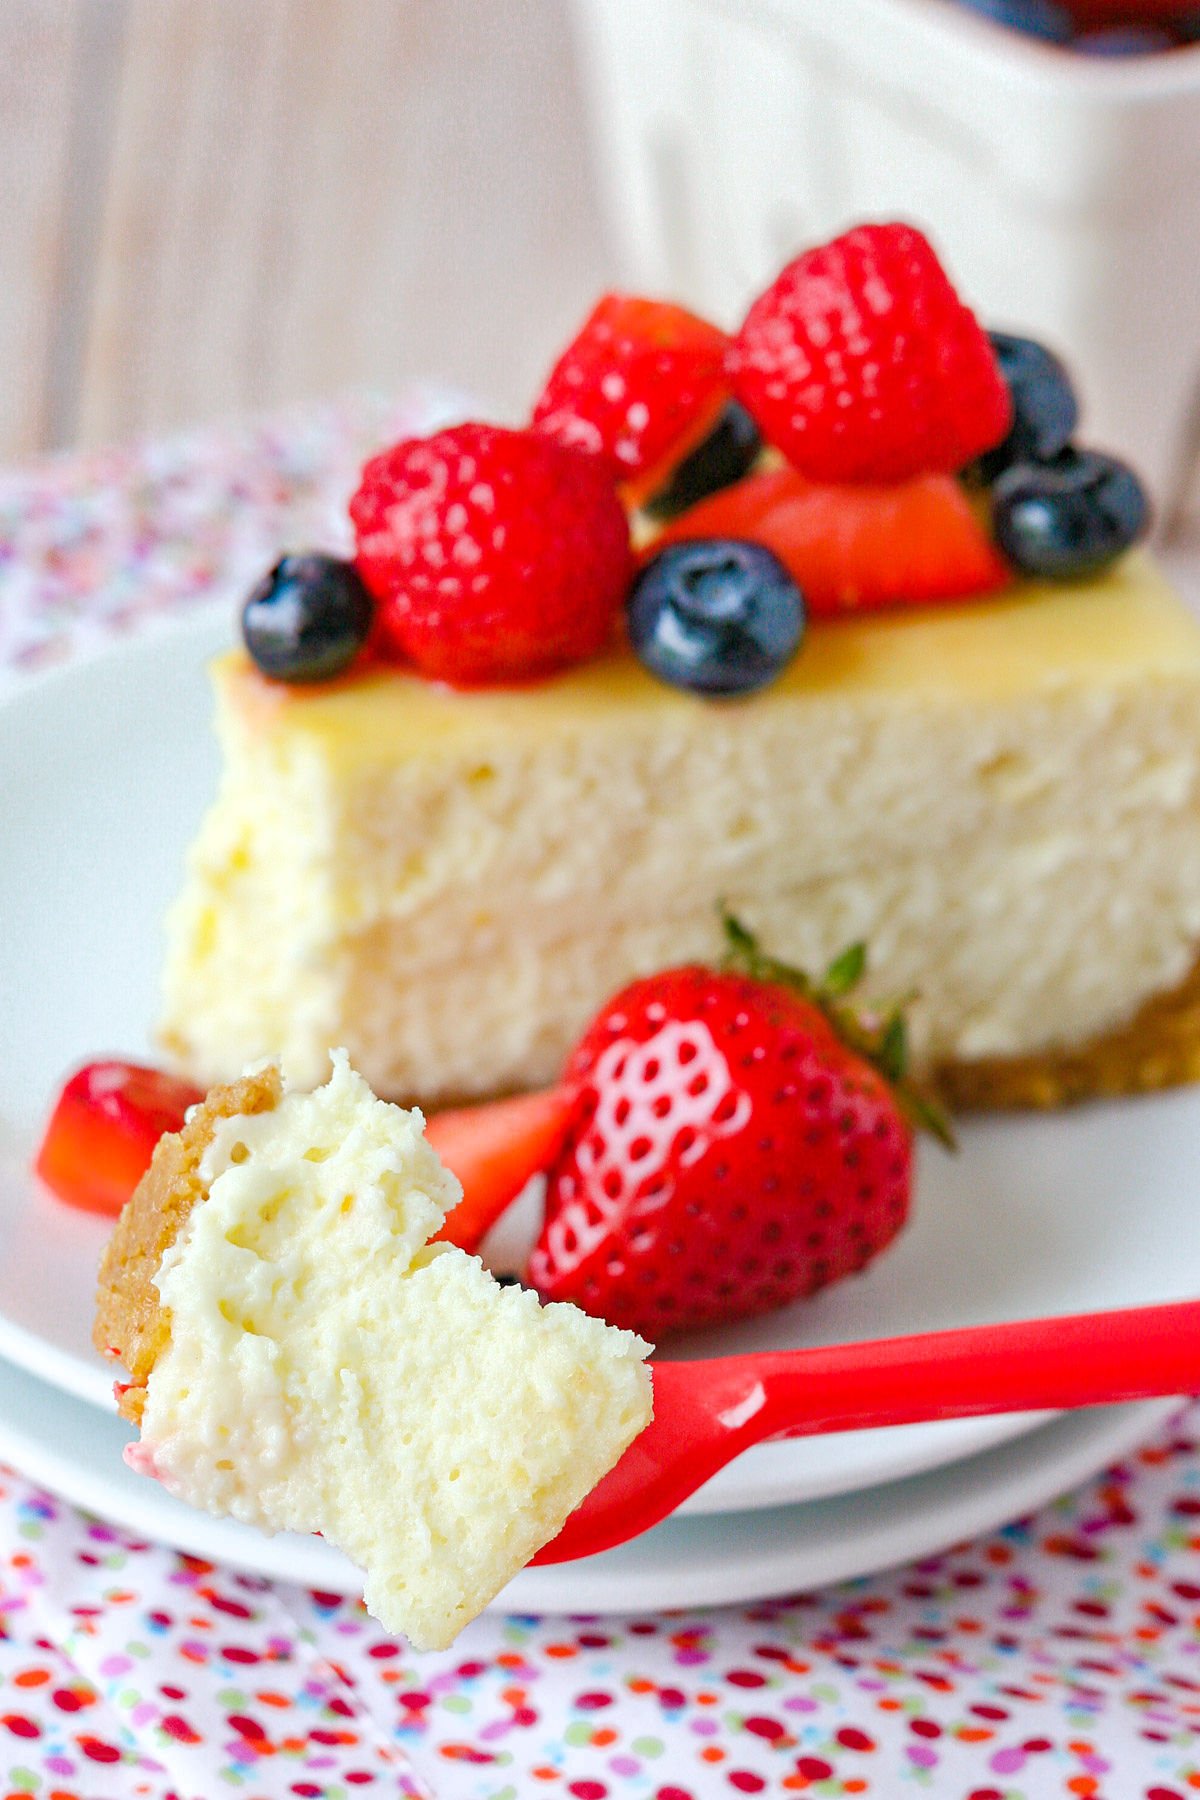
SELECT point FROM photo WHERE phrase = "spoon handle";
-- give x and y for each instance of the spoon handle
(1086, 1359)
(706, 1413)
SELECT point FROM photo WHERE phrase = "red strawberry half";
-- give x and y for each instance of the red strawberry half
(495, 1149)
(102, 1132)
(856, 548)
(861, 363)
(640, 383)
(741, 1139)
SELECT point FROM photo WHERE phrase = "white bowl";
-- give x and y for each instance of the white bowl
(1063, 190)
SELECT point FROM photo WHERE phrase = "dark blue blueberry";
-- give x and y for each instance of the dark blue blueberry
(1072, 516)
(308, 618)
(723, 457)
(1036, 18)
(715, 615)
(1045, 410)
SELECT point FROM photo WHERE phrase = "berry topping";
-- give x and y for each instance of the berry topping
(1072, 516)
(102, 1132)
(716, 615)
(738, 1142)
(641, 378)
(723, 457)
(1128, 40)
(856, 548)
(1045, 410)
(494, 555)
(307, 619)
(1035, 18)
(495, 1149)
(860, 363)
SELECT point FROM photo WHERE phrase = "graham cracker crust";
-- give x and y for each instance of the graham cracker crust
(1158, 1048)
(131, 1322)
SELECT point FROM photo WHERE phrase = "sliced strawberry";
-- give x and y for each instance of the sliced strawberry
(854, 548)
(637, 489)
(494, 1149)
(102, 1132)
(640, 384)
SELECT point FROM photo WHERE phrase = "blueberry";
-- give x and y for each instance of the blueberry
(1035, 18)
(723, 457)
(1071, 516)
(308, 618)
(1045, 411)
(716, 615)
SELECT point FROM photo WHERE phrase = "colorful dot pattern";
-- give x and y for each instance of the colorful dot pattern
(96, 546)
(1059, 1657)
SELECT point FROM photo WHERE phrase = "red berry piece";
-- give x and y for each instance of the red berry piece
(739, 1142)
(853, 547)
(102, 1132)
(861, 363)
(641, 383)
(495, 1149)
(493, 555)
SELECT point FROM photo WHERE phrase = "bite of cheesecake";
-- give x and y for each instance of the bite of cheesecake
(302, 1358)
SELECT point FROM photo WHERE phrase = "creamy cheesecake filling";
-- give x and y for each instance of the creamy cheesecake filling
(330, 1370)
(1003, 799)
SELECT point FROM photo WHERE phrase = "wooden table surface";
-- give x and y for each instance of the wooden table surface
(211, 206)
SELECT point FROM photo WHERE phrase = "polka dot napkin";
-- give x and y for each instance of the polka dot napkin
(1059, 1657)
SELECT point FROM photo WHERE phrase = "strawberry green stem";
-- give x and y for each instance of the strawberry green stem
(880, 1036)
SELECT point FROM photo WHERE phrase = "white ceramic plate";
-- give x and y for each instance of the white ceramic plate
(75, 1450)
(104, 772)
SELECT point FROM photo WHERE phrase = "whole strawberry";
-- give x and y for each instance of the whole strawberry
(637, 384)
(493, 555)
(741, 1139)
(861, 363)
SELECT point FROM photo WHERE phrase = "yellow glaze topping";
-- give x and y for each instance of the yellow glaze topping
(1126, 624)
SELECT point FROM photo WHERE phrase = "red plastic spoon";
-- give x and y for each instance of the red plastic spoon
(706, 1413)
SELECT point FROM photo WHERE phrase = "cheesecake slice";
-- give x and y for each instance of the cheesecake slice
(1002, 799)
(302, 1358)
